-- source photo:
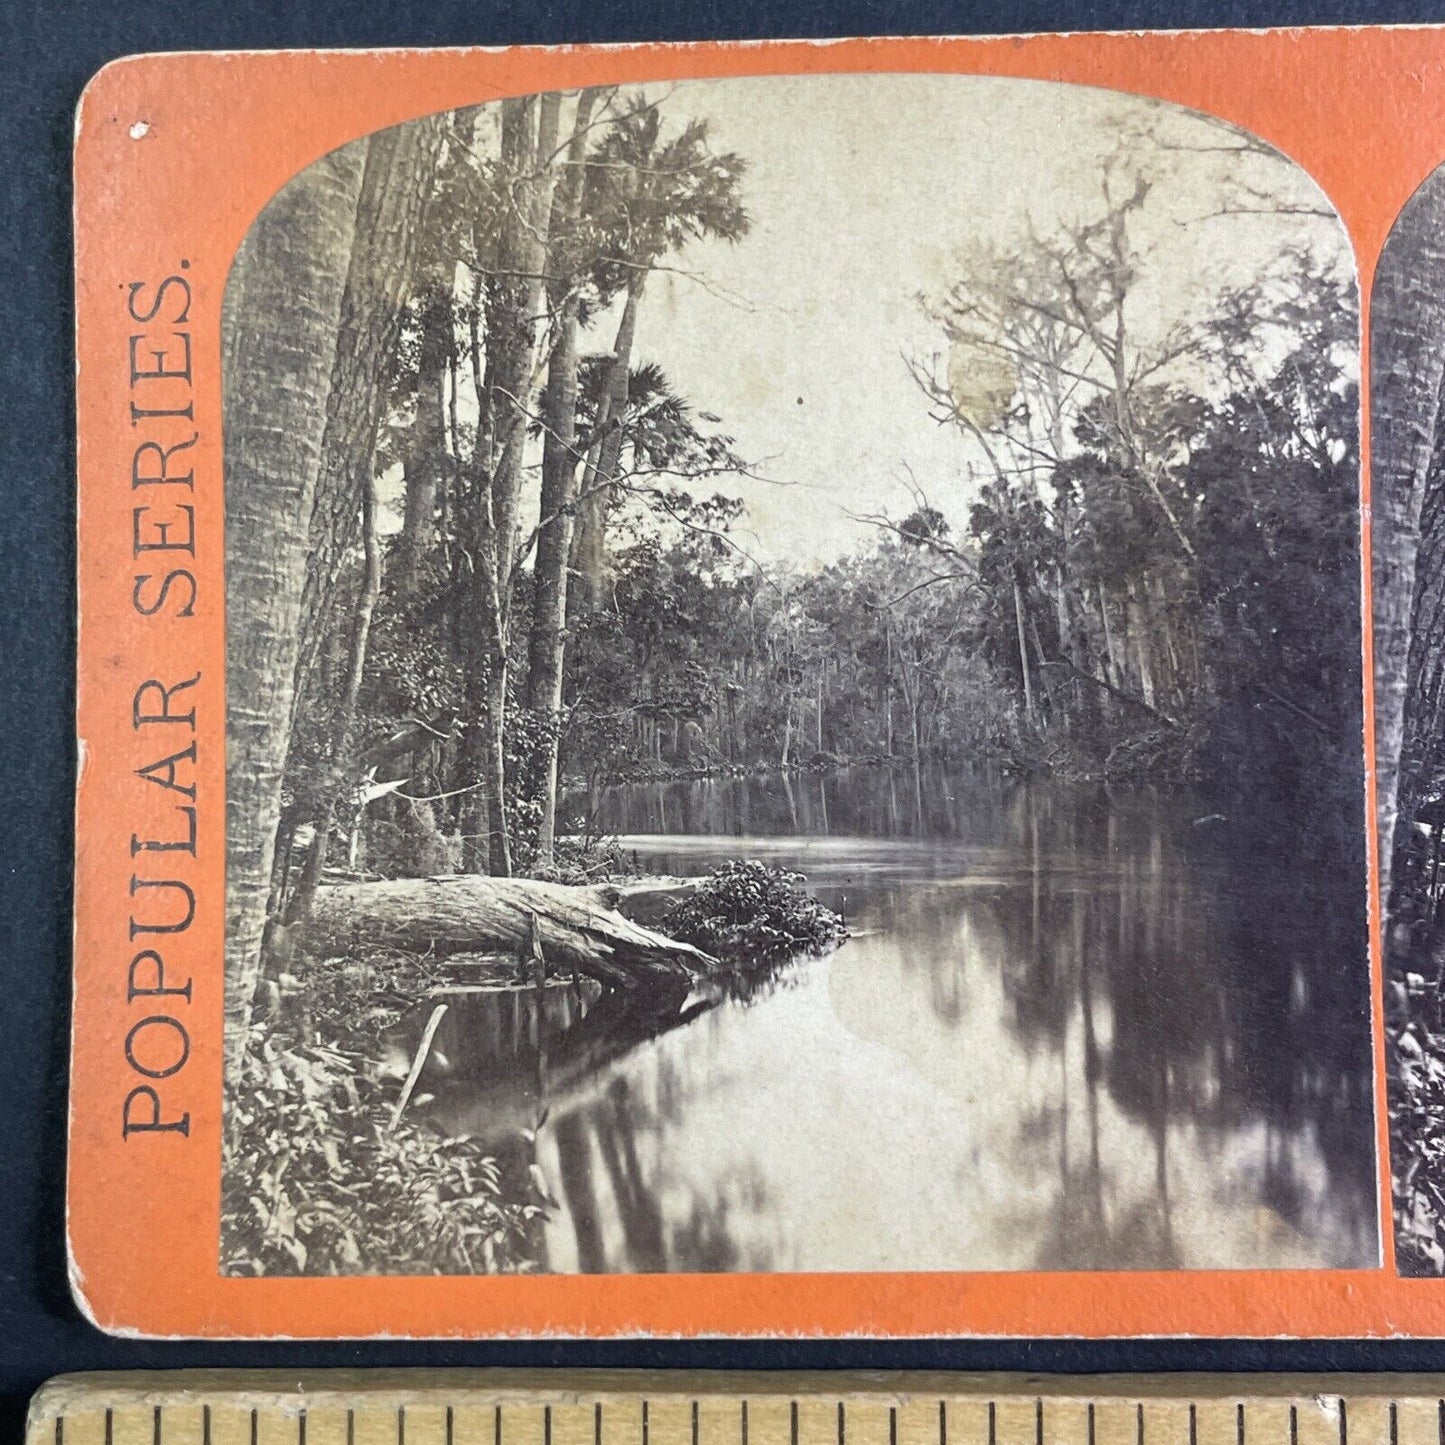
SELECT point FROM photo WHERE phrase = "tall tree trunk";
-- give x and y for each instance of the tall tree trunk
(1029, 708)
(888, 691)
(521, 319)
(426, 452)
(280, 322)
(1407, 369)
(1111, 658)
(396, 186)
(1137, 626)
(589, 555)
(547, 644)
(499, 838)
(548, 639)
(917, 756)
(515, 310)
(1424, 744)
(1047, 688)
(1170, 683)
(344, 718)
(474, 817)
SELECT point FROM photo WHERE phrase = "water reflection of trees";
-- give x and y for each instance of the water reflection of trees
(1203, 986)
(1182, 974)
(857, 802)
(1194, 986)
(507, 1063)
(610, 1152)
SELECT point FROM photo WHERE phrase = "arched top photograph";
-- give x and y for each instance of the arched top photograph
(794, 692)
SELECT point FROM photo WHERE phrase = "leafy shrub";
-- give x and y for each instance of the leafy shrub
(316, 1182)
(750, 915)
(1417, 1113)
(591, 860)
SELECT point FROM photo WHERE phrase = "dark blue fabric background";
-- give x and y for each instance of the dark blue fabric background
(48, 49)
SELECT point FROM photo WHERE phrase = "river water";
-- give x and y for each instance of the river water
(1072, 1029)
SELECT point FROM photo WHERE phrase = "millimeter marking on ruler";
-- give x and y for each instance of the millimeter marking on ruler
(570, 1408)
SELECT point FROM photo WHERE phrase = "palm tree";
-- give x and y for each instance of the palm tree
(279, 329)
(655, 197)
(396, 190)
(1407, 369)
(644, 197)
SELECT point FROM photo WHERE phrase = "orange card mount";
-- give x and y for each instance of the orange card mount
(753, 690)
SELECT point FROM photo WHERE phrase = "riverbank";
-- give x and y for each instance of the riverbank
(656, 771)
(320, 1174)
(326, 1169)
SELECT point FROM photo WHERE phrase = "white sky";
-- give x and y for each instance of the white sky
(861, 189)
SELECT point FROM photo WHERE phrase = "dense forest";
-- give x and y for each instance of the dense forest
(1408, 494)
(483, 555)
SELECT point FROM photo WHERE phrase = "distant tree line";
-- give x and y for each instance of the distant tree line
(1157, 579)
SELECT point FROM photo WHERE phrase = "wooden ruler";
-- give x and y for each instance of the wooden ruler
(607, 1408)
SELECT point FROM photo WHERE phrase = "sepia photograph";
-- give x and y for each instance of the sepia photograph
(795, 697)
(1407, 347)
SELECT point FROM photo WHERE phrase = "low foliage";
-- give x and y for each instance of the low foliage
(318, 1183)
(1415, 1028)
(355, 1003)
(316, 1179)
(1417, 1125)
(591, 860)
(753, 916)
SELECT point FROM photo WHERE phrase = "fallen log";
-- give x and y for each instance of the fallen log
(469, 913)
